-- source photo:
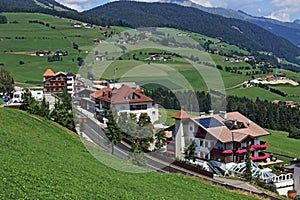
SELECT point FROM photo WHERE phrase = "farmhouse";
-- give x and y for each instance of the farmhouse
(55, 82)
(221, 137)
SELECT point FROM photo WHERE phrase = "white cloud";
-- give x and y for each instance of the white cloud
(81, 4)
(284, 9)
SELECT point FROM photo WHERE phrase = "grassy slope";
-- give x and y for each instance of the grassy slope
(36, 37)
(40, 160)
(281, 143)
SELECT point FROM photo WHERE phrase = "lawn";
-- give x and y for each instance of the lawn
(41, 160)
(281, 143)
(253, 93)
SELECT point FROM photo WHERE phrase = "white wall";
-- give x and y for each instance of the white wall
(297, 178)
(152, 111)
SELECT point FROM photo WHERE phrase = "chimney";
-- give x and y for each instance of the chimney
(223, 114)
(235, 122)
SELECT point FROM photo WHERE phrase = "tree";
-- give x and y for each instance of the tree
(62, 112)
(160, 139)
(6, 82)
(113, 131)
(190, 151)
(248, 171)
(294, 132)
(27, 100)
(44, 109)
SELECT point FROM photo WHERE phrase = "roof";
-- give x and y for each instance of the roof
(123, 95)
(49, 72)
(181, 115)
(219, 128)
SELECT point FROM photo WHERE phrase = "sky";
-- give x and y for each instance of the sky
(282, 10)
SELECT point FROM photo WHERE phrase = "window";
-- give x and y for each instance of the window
(206, 144)
(201, 142)
(138, 107)
(153, 113)
(191, 128)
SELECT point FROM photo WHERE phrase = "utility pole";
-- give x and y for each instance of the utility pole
(115, 70)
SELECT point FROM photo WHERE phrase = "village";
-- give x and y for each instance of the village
(221, 140)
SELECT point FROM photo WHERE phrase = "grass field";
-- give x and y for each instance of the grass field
(40, 37)
(281, 143)
(41, 160)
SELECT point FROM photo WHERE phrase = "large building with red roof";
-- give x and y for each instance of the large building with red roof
(222, 137)
(56, 82)
(125, 99)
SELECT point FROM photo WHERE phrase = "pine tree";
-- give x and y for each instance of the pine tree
(160, 139)
(248, 172)
(113, 131)
(190, 151)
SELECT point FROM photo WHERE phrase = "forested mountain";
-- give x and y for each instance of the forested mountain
(244, 34)
(7, 5)
(50, 7)
(287, 30)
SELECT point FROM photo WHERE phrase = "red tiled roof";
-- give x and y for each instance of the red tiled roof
(100, 93)
(125, 94)
(181, 115)
(49, 72)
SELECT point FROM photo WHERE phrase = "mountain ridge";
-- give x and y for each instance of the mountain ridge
(287, 30)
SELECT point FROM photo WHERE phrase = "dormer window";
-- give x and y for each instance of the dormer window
(234, 124)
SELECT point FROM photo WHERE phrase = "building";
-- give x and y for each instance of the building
(56, 82)
(124, 99)
(222, 137)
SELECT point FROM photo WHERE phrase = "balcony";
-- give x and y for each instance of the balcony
(57, 81)
(244, 150)
(224, 152)
(170, 152)
(261, 157)
(200, 135)
(261, 146)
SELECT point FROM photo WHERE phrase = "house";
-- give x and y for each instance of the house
(222, 137)
(124, 99)
(154, 57)
(56, 82)
(42, 53)
(97, 41)
(77, 25)
(281, 76)
(100, 58)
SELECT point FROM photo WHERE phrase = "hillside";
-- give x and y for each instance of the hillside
(49, 7)
(41, 160)
(234, 31)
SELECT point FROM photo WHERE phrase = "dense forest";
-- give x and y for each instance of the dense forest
(233, 31)
(264, 113)
(31, 7)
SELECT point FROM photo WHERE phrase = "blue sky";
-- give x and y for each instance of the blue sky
(283, 10)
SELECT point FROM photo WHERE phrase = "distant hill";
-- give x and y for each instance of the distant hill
(243, 34)
(7, 5)
(287, 30)
(49, 7)
(41, 160)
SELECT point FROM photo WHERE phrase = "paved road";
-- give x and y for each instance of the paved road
(94, 131)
